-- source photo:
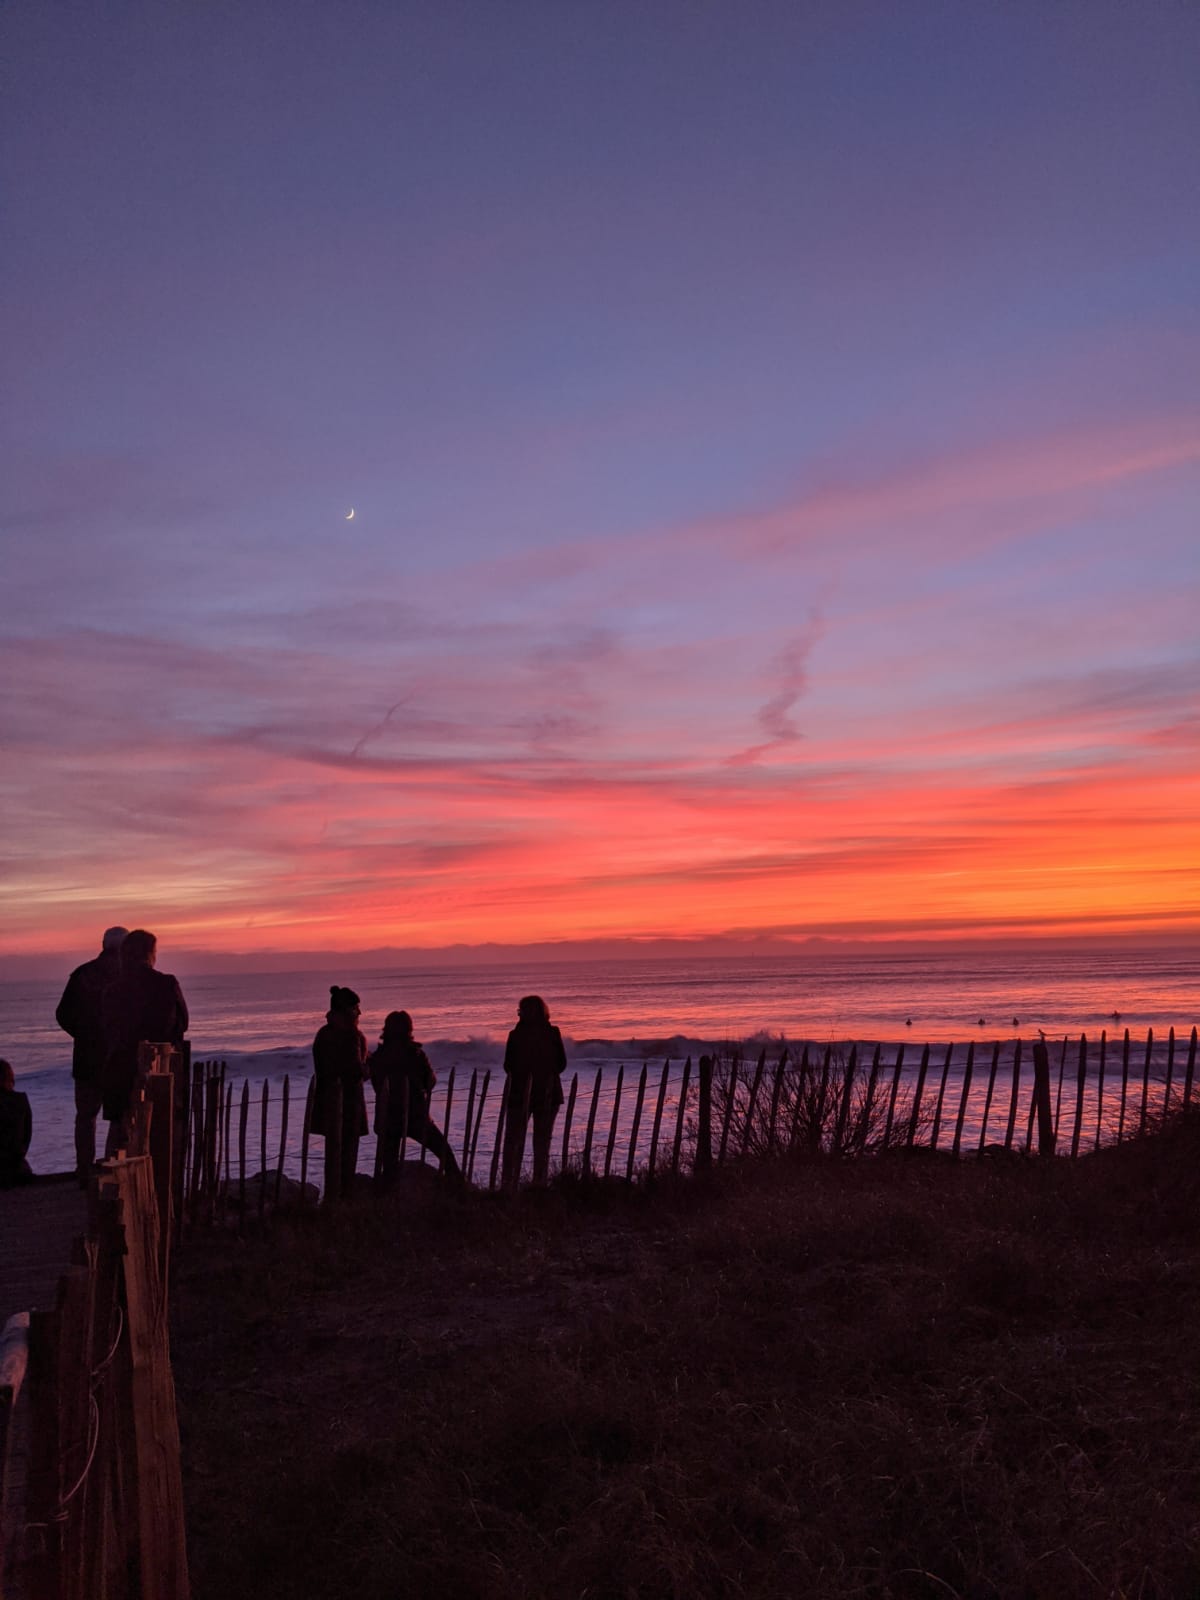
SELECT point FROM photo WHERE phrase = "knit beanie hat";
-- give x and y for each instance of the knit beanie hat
(342, 999)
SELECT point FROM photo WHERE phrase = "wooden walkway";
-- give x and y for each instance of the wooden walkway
(37, 1225)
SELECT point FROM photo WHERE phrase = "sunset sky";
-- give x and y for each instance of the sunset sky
(773, 433)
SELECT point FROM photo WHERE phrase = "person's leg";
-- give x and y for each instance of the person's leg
(87, 1108)
(514, 1146)
(543, 1129)
(390, 1155)
(349, 1158)
(439, 1147)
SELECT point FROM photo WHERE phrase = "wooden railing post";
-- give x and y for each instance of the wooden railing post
(1041, 1098)
(704, 1155)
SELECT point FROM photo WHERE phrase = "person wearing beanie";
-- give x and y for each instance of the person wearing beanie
(81, 1014)
(339, 1066)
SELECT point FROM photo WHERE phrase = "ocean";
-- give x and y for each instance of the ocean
(631, 1012)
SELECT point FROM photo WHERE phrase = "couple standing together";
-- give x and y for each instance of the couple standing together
(403, 1080)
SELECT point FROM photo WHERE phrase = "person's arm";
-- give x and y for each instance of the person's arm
(67, 1014)
(510, 1054)
(560, 1052)
(26, 1126)
(181, 1013)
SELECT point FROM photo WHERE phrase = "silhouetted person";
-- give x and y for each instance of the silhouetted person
(402, 1065)
(339, 1061)
(534, 1059)
(139, 1006)
(81, 1014)
(16, 1130)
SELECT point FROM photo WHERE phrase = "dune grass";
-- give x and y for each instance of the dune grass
(878, 1378)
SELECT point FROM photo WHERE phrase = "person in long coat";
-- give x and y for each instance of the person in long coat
(534, 1059)
(403, 1081)
(339, 1066)
(140, 1006)
(81, 1014)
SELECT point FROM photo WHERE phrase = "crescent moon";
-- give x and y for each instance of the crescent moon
(349, 516)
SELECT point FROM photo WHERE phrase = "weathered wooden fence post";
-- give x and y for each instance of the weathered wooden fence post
(658, 1116)
(937, 1115)
(962, 1104)
(1100, 1086)
(798, 1102)
(305, 1135)
(243, 1118)
(897, 1069)
(703, 1158)
(483, 1094)
(283, 1132)
(591, 1124)
(637, 1122)
(869, 1102)
(1124, 1086)
(816, 1133)
(1041, 1098)
(1080, 1090)
(1011, 1129)
(1170, 1071)
(262, 1150)
(915, 1114)
(612, 1127)
(680, 1113)
(1191, 1072)
(991, 1089)
(1146, 1081)
(500, 1121)
(467, 1126)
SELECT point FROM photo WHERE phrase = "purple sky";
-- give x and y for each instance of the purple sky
(774, 437)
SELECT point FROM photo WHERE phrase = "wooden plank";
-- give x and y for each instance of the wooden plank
(283, 1133)
(567, 1120)
(991, 1089)
(1080, 1090)
(469, 1122)
(499, 1135)
(1191, 1071)
(591, 1124)
(1041, 1098)
(915, 1114)
(1170, 1071)
(14, 1364)
(637, 1123)
(483, 1094)
(1062, 1067)
(869, 1102)
(612, 1126)
(968, 1069)
(262, 1149)
(162, 1546)
(449, 1103)
(937, 1115)
(243, 1118)
(1145, 1112)
(680, 1115)
(1016, 1092)
(658, 1116)
(1124, 1086)
(1100, 1086)
(160, 1098)
(305, 1135)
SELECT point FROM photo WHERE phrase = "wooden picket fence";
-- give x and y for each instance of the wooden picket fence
(835, 1100)
(89, 1443)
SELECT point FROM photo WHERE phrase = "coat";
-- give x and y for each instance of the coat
(534, 1056)
(400, 1065)
(81, 1014)
(339, 1057)
(140, 1005)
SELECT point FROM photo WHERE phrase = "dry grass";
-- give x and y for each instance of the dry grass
(883, 1378)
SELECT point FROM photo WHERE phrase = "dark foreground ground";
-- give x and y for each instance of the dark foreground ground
(883, 1379)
